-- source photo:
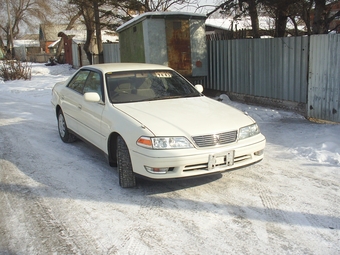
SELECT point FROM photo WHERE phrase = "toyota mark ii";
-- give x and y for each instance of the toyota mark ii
(151, 122)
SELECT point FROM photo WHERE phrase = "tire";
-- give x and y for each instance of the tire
(64, 133)
(127, 178)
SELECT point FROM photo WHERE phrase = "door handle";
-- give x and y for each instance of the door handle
(79, 106)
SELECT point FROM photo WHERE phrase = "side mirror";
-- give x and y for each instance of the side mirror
(199, 88)
(92, 97)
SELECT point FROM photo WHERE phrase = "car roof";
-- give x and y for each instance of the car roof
(119, 67)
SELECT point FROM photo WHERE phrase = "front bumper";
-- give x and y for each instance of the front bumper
(195, 162)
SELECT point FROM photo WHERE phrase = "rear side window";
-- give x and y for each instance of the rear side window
(78, 81)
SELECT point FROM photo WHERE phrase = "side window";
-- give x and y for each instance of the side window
(94, 84)
(78, 81)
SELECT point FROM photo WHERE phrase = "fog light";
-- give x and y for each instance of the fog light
(156, 170)
(258, 153)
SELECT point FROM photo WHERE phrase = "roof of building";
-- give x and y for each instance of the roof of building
(24, 43)
(160, 15)
(79, 36)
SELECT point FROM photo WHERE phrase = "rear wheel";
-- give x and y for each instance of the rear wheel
(65, 135)
(127, 178)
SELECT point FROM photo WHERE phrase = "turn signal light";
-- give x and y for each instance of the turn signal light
(258, 153)
(157, 170)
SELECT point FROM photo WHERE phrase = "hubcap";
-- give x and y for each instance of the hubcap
(61, 125)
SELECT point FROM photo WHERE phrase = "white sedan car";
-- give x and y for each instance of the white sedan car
(151, 122)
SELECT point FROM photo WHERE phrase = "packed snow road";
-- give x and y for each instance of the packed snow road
(58, 198)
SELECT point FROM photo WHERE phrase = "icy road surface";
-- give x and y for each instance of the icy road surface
(58, 198)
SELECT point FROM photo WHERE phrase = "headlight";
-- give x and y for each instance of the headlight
(163, 143)
(248, 131)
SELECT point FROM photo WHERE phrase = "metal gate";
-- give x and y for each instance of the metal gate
(324, 78)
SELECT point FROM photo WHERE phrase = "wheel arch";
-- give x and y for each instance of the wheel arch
(112, 148)
(57, 109)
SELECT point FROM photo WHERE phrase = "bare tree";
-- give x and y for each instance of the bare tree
(241, 8)
(98, 31)
(88, 15)
(69, 27)
(281, 11)
(252, 10)
(63, 10)
(19, 13)
(323, 17)
(161, 5)
(320, 16)
(124, 10)
(302, 11)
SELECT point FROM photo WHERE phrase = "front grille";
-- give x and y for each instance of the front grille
(215, 139)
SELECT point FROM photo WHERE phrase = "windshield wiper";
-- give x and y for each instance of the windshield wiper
(177, 96)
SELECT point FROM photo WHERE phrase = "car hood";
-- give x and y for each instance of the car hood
(186, 116)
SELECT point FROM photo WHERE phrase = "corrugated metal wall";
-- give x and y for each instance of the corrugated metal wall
(132, 44)
(155, 41)
(324, 78)
(111, 53)
(79, 60)
(75, 56)
(273, 68)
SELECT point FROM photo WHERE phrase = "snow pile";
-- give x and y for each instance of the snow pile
(321, 145)
(326, 152)
(261, 114)
(42, 70)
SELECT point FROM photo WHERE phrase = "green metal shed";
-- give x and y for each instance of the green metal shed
(174, 39)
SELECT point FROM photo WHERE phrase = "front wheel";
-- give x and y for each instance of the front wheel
(64, 134)
(127, 178)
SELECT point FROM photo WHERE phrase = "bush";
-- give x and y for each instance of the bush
(15, 70)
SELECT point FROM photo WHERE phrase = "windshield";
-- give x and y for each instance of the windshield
(135, 86)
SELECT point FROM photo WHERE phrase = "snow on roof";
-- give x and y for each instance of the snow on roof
(79, 36)
(24, 43)
(109, 36)
(49, 32)
(54, 44)
(159, 15)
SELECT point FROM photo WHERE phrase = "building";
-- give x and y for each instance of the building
(73, 43)
(174, 39)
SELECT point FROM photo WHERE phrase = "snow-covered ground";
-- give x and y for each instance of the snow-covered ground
(58, 198)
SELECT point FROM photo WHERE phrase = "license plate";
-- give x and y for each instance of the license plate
(224, 159)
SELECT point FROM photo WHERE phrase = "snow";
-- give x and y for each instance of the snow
(61, 198)
(323, 146)
(228, 23)
(79, 36)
